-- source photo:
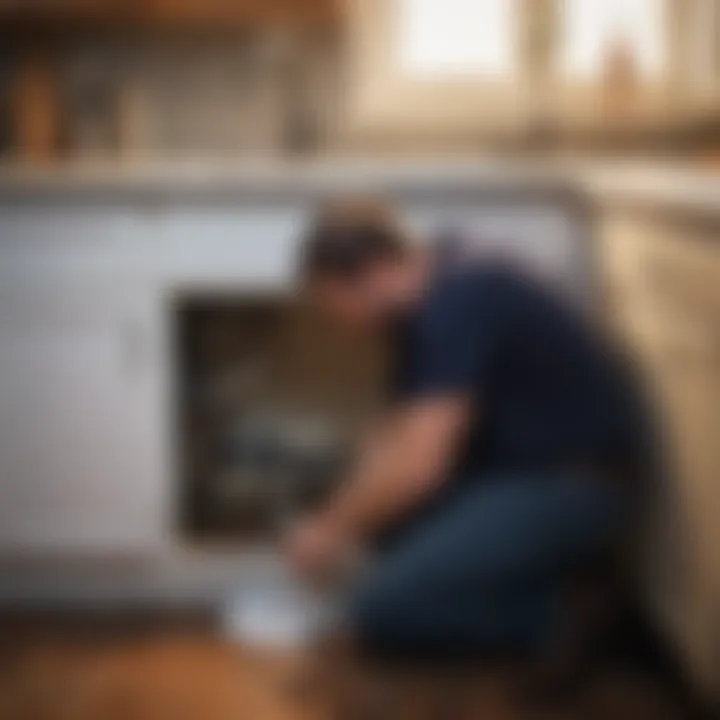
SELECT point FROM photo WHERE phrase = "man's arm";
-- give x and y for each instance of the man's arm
(455, 344)
(408, 458)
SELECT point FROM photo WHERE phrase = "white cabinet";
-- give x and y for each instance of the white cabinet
(80, 408)
(89, 280)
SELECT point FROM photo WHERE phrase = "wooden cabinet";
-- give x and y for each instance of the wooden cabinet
(35, 108)
(222, 12)
(220, 15)
(663, 277)
(87, 73)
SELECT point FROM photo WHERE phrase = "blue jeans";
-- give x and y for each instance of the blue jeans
(484, 570)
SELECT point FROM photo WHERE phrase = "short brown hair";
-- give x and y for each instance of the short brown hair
(347, 237)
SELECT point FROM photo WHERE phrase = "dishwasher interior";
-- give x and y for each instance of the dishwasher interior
(272, 403)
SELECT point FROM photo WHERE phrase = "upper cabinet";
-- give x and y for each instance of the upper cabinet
(153, 79)
(68, 15)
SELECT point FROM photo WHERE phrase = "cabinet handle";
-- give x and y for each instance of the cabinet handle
(133, 348)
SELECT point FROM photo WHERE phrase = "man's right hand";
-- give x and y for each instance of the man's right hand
(315, 549)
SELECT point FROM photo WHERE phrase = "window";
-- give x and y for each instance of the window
(592, 27)
(457, 37)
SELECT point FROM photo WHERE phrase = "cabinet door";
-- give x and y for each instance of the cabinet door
(79, 418)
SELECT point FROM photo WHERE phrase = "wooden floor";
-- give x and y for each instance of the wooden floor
(191, 675)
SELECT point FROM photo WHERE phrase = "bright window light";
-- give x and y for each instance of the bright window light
(457, 37)
(590, 27)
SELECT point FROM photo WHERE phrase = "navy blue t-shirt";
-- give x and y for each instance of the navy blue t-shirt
(544, 392)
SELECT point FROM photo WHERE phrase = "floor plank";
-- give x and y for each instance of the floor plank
(193, 675)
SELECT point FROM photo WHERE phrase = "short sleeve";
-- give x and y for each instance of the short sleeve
(456, 339)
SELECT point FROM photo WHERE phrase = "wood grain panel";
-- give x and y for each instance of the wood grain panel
(69, 15)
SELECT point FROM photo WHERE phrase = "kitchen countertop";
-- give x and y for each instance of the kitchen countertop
(684, 188)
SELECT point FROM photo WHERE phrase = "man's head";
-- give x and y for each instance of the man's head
(357, 264)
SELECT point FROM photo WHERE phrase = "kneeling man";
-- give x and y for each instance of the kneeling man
(497, 466)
